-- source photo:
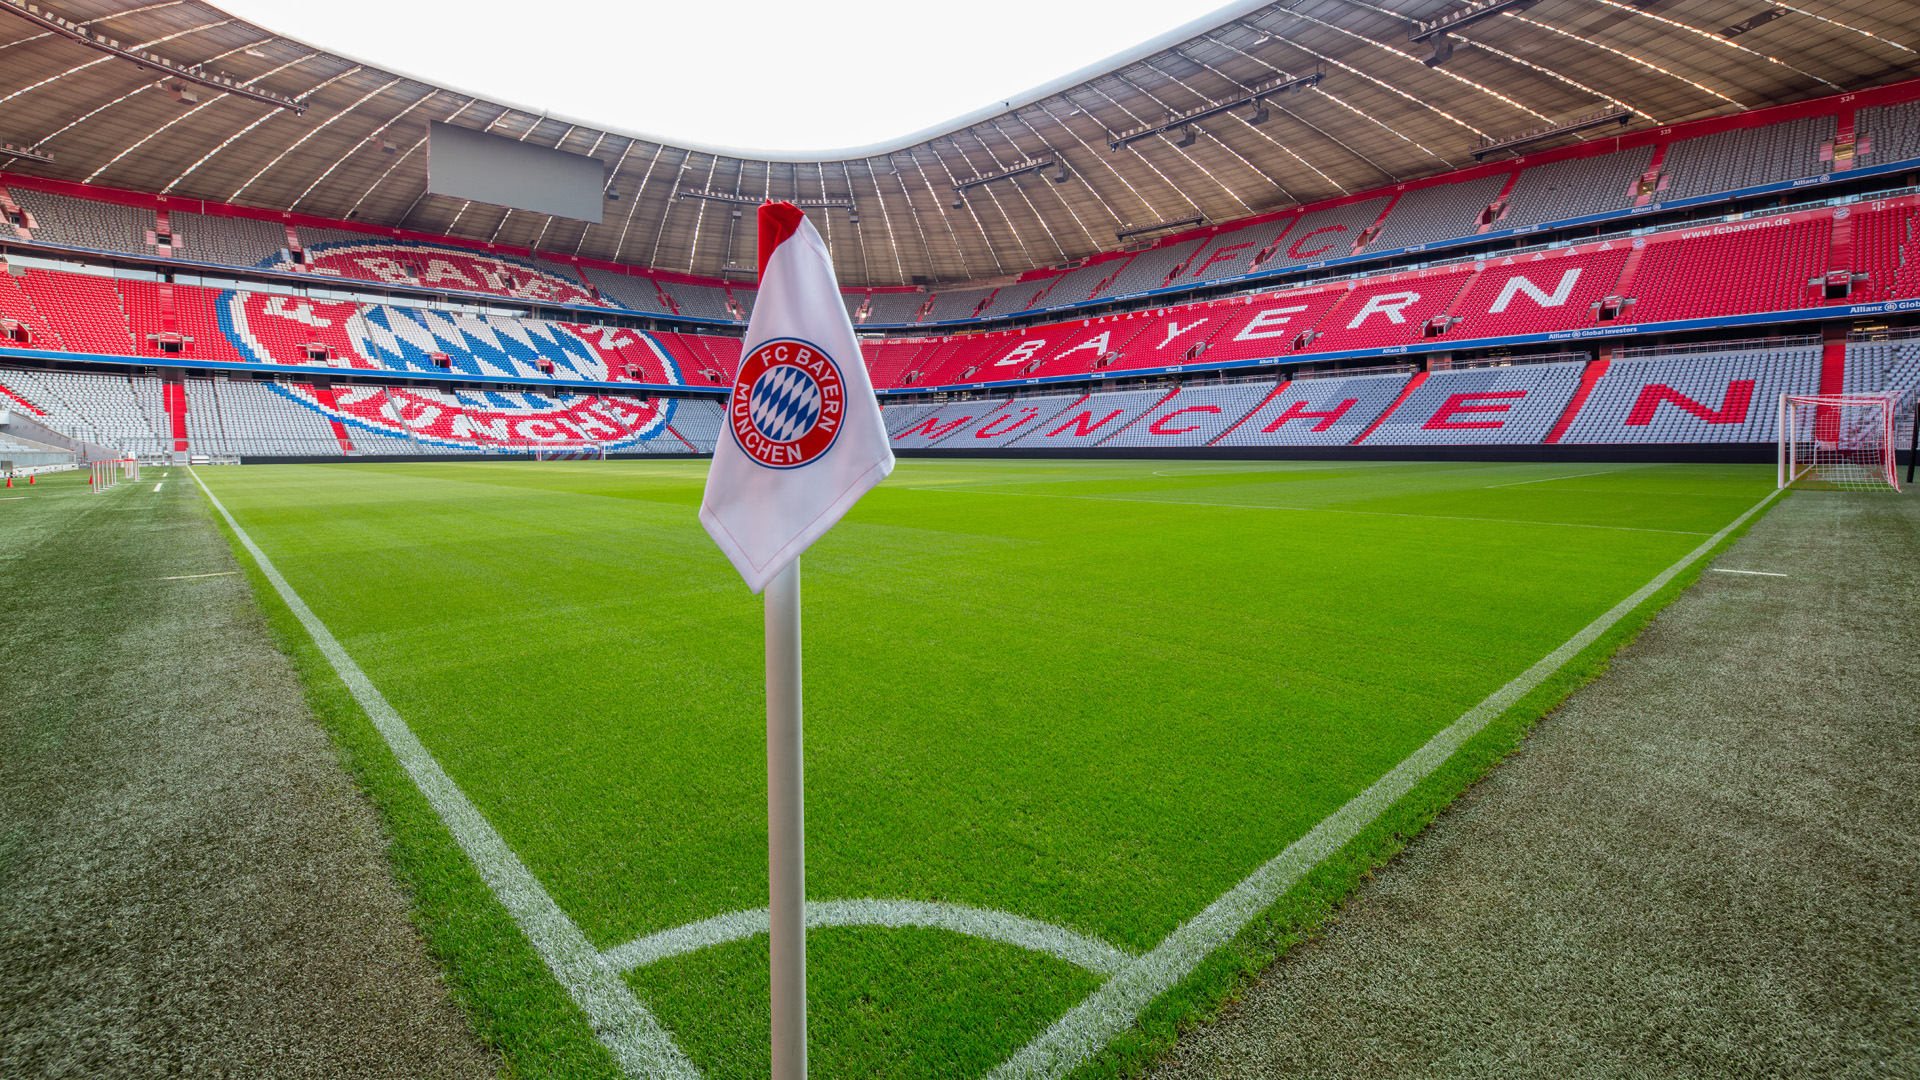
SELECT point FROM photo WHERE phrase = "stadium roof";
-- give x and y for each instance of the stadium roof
(240, 114)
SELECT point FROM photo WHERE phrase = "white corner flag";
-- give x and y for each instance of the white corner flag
(803, 438)
(803, 441)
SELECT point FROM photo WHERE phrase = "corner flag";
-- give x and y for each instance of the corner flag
(803, 439)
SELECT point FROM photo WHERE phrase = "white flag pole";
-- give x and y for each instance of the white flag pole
(786, 851)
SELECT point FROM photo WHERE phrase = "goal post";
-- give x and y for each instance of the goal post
(1845, 442)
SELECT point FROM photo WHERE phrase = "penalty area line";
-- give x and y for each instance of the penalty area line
(622, 1024)
(1759, 573)
(1088, 1027)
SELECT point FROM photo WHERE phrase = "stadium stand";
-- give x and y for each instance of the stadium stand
(1392, 311)
(1513, 404)
(1892, 132)
(1678, 397)
(96, 225)
(1094, 420)
(1439, 212)
(1152, 269)
(1233, 251)
(1012, 421)
(1747, 157)
(1020, 296)
(230, 241)
(895, 308)
(1764, 265)
(98, 408)
(630, 291)
(1574, 188)
(1883, 367)
(1195, 416)
(1885, 252)
(957, 305)
(1316, 411)
(1076, 286)
(1326, 234)
(1538, 294)
(944, 422)
(699, 301)
(84, 311)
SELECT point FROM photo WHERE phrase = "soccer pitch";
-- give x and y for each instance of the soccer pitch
(1054, 711)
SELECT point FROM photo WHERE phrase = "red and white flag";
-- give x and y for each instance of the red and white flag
(803, 439)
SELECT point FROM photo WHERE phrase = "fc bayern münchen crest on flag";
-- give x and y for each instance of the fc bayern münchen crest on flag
(787, 403)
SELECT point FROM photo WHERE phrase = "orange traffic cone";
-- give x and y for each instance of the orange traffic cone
(30, 478)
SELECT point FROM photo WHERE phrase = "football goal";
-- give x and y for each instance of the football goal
(582, 452)
(1842, 442)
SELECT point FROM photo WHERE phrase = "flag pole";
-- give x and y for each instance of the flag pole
(786, 853)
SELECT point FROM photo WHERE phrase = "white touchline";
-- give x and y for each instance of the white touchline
(190, 577)
(626, 1027)
(1548, 479)
(647, 1051)
(1762, 573)
(1087, 1027)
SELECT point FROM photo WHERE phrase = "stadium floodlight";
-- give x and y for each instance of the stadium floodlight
(1620, 116)
(1255, 95)
(93, 39)
(1439, 32)
(1839, 441)
(829, 202)
(1188, 136)
(29, 153)
(1018, 168)
(1126, 231)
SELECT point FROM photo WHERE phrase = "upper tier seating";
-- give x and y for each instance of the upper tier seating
(1325, 234)
(1232, 252)
(1328, 411)
(699, 301)
(630, 291)
(1518, 404)
(1439, 212)
(1894, 131)
(1076, 286)
(1195, 416)
(87, 223)
(1694, 398)
(1151, 269)
(960, 304)
(1577, 187)
(1746, 157)
(895, 308)
(1887, 250)
(229, 241)
(1019, 296)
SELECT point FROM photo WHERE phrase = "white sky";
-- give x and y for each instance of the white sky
(745, 73)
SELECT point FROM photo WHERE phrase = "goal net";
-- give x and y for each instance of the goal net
(1839, 441)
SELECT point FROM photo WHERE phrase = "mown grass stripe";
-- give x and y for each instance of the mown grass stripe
(1088, 1027)
(625, 1026)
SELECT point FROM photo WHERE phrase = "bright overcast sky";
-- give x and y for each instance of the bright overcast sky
(743, 73)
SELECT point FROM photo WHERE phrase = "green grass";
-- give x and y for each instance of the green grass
(1094, 694)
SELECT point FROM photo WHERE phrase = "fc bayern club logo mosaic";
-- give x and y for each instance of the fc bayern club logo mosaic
(787, 403)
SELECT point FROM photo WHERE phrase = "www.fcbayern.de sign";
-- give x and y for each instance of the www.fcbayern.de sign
(787, 403)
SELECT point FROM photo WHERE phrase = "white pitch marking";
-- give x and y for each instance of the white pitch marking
(1762, 573)
(1085, 952)
(1546, 479)
(1086, 1028)
(190, 577)
(621, 1023)
(156, 487)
